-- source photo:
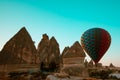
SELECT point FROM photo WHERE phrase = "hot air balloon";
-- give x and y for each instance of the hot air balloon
(96, 42)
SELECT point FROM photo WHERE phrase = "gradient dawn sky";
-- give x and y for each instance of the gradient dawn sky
(64, 19)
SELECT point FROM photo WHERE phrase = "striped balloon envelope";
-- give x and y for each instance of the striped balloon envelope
(96, 42)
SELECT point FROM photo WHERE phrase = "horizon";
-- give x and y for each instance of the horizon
(65, 20)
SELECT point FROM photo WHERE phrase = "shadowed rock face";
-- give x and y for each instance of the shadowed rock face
(19, 49)
(54, 50)
(43, 47)
(63, 53)
(49, 53)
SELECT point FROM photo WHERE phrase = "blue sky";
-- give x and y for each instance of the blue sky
(64, 19)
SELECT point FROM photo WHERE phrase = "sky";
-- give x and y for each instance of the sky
(66, 20)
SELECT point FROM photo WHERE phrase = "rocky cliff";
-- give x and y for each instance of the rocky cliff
(73, 60)
(49, 52)
(74, 51)
(43, 47)
(54, 51)
(19, 49)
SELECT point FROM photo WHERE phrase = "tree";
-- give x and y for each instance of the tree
(111, 65)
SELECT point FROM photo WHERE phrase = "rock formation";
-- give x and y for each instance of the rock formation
(74, 51)
(54, 52)
(49, 53)
(19, 49)
(43, 47)
(73, 60)
(111, 65)
(61, 56)
(65, 50)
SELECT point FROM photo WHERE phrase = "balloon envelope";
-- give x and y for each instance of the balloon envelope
(96, 42)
